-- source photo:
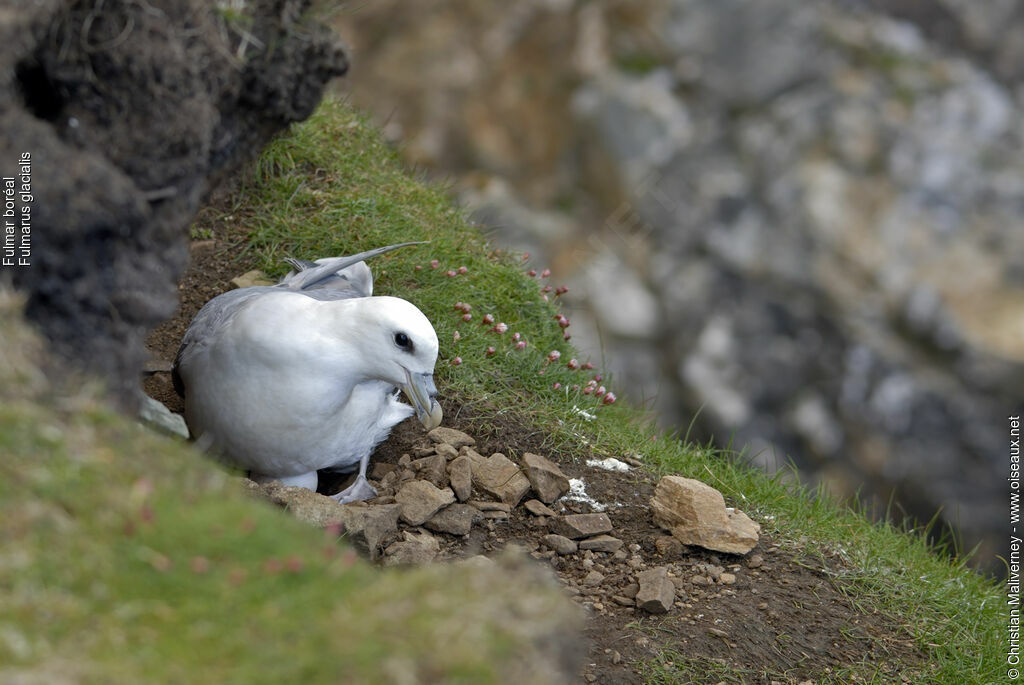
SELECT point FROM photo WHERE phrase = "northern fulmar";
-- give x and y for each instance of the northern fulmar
(288, 379)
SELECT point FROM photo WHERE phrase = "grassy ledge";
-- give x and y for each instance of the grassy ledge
(125, 558)
(334, 187)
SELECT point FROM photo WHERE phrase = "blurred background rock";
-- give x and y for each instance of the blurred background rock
(795, 225)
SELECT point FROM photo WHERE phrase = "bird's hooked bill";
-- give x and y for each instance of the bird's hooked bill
(420, 390)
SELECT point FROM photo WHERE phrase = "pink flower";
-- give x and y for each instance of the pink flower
(516, 336)
(418, 267)
(546, 289)
(588, 366)
(562, 321)
(561, 290)
(458, 306)
(456, 337)
(449, 273)
(588, 389)
(556, 385)
(531, 273)
(598, 378)
(575, 388)
(566, 336)
(573, 364)
(467, 317)
(521, 345)
(490, 351)
(456, 361)
(500, 328)
(463, 270)
(526, 255)
(554, 356)
(545, 273)
(434, 263)
(600, 391)
(487, 320)
(609, 398)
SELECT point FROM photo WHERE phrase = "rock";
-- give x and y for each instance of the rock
(424, 451)
(301, 503)
(455, 519)
(546, 479)
(460, 477)
(414, 550)
(559, 543)
(727, 579)
(623, 601)
(433, 469)
(450, 436)
(380, 470)
(668, 547)
(593, 579)
(368, 527)
(755, 561)
(538, 508)
(483, 505)
(576, 526)
(656, 593)
(499, 477)
(601, 543)
(252, 278)
(447, 451)
(420, 500)
(157, 415)
(695, 513)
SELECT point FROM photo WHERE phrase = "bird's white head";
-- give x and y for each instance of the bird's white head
(402, 345)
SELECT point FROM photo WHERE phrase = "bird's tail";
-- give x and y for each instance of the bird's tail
(310, 274)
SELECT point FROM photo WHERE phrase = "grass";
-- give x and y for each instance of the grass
(333, 187)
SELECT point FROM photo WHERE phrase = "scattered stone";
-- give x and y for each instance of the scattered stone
(576, 526)
(727, 579)
(423, 451)
(668, 547)
(252, 278)
(450, 436)
(404, 461)
(538, 508)
(630, 590)
(381, 469)
(484, 505)
(545, 477)
(455, 519)
(433, 469)
(601, 543)
(714, 571)
(368, 527)
(500, 478)
(560, 543)
(593, 578)
(755, 561)
(623, 601)
(413, 550)
(447, 451)
(695, 513)
(632, 461)
(700, 580)
(656, 592)
(495, 514)
(718, 632)
(460, 477)
(420, 500)
(301, 503)
(157, 415)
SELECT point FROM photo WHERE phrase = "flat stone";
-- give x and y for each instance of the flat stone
(601, 543)
(559, 543)
(656, 593)
(252, 278)
(420, 500)
(455, 519)
(593, 579)
(576, 526)
(727, 579)
(623, 601)
(500, 478)
(368, 527)
(157, 415)
(484, 505)
(538, 508)
(755, 561)
(495, 514)
(381, 469)
(301, 503)
(696, 514)
(412, 550)
(433, 469)
(460, 477)
(447, 451)
(450, 436)
(424, 451)
(546, 479)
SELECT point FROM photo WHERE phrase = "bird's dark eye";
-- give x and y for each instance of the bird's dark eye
(402, 340)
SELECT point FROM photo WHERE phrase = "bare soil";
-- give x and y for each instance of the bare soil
(784, 619)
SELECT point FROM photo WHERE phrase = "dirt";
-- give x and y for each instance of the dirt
(784, 618)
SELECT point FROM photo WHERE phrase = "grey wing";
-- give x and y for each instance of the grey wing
(330, 268)
(207, 324)
(356, 279)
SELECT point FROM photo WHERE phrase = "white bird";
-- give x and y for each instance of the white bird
(285, 380)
